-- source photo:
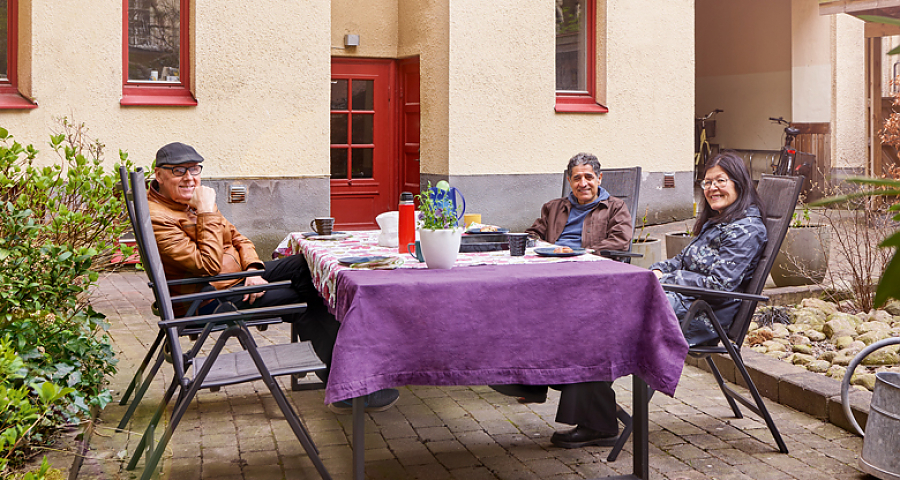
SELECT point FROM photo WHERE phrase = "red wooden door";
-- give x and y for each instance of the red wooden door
(409, 125)
(363, 142)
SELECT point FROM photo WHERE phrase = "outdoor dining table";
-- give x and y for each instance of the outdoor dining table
(492, 319)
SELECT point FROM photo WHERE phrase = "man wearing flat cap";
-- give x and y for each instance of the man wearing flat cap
(194, 239)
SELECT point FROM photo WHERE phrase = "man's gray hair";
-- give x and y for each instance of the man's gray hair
(583, 159)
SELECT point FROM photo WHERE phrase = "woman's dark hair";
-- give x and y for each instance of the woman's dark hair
(737, 172)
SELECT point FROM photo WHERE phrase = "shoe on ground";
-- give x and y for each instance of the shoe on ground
(523, 393)
(375, 402)
(582, 437)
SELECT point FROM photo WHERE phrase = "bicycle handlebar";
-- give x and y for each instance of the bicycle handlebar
(779, 120)
(711, 114)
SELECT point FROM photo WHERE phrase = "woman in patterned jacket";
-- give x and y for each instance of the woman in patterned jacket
(730, 236)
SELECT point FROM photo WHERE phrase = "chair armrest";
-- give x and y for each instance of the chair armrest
(216, 278)
(618, 253)
(190, 297)
(712, 294)
(240, 315)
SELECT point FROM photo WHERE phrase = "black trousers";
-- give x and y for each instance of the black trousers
(588, 404)
(316, 325)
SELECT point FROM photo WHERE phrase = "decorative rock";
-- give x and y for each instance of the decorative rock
(872, 326)
(826, 307)
(758, 337)
(804, 349)
(753, 326)
(856, 346)
(777, 355)
(773, 346)
(814, 335)
(795, 328)
(881, 357)
(836, 371)
(811, 316)
(838, 322)
(802, 359)
(843, 359)
(866, 380)
(893, 307)
(759, 349)
(880, 316)
(783, 341)
(780, 330)
(818, 366)
(842, 342)
(798, 339)
(871, 337)
(828, 355)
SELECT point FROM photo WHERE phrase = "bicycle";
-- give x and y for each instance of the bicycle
(789, 159)
(702, 148)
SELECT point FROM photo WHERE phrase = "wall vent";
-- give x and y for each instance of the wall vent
(669, 180)
(237, 194)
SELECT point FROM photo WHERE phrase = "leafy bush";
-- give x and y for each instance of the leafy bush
(26, 409)
(59, 225)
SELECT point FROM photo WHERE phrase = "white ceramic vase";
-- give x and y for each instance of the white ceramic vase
(440, 247)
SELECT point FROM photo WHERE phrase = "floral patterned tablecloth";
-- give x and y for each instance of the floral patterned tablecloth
(323, 257)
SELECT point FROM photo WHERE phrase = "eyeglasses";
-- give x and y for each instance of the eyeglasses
(719, 183)
(180, 171)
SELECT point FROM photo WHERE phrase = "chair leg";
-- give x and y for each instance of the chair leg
(725, 390)
(147, 439)
(140, 371)
(299, 430)
(761, 406)
(628, 428)
(295, 378)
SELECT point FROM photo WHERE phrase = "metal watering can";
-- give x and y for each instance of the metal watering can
(446, 199)
(881, 444)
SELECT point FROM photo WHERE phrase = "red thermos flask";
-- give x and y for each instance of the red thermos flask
(407, 221)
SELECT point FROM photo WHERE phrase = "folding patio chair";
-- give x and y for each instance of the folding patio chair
(217, 369)
(779, 195)
(622, 183)
(141, 382)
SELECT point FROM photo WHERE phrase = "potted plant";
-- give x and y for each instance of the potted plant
(439, 231)
(676, 241)
(803, 257)
(650, 248)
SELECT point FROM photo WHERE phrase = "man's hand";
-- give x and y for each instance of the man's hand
(249, 282)
(658, 273)
(203, 199)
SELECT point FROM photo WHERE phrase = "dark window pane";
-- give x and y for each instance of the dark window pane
(154, 40)
(338, 163)
(571, 46)
(4, 34)
(339, 128)
(363, 94)
(339, 95)
(363, 128)
(362, 163)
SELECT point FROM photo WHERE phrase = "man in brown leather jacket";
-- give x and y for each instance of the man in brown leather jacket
(194, 240)
(587, 218)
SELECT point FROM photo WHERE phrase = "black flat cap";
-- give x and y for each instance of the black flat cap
(177, 153)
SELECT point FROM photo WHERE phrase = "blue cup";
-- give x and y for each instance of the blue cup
(418, 252)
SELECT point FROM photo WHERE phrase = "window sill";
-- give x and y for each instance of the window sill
(13, 100)
(566, 104)
(133, 95)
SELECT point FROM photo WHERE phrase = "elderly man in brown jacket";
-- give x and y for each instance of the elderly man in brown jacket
(588, 218)
(194, 239)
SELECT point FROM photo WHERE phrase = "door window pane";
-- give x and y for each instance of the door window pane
(363, 128)
(338, 163)
(363, 94)
(154, 41)
(339, 95)
(339, 128)
(4, 38)
(571, 45)
(362, 163)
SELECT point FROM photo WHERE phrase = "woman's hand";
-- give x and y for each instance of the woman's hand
(658, 274)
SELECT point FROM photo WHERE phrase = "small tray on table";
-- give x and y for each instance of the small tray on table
(484, 242)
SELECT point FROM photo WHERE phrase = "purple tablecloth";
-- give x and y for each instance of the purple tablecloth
(532, 323)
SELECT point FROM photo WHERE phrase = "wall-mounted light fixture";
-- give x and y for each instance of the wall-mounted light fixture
(351, 40)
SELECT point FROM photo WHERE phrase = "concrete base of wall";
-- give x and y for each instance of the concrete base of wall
(273, 208)
(514, 201)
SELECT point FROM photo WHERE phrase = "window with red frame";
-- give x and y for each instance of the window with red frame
(155, 53)
(576, 58)
(10, 98)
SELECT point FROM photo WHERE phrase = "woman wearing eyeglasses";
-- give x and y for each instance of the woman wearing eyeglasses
(730, 236)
